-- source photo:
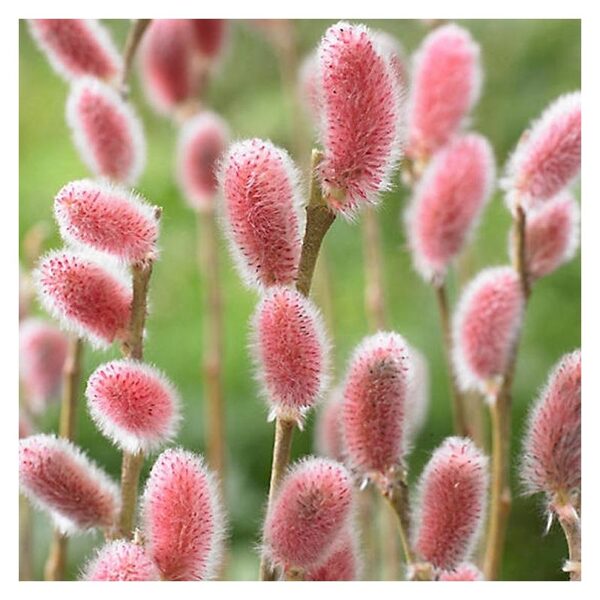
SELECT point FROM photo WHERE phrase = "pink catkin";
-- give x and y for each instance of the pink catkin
(42, 354)
(77, 47)
(166, 61)
(202, 142)
(486, 323)
(88, 298)
(262, 217)
(343, 563)
(106, 130)
(375, 403)
(108, 219)
(452, 496)
(133, 404)
(312, 508)
(552, 235)
(181, 516)
(360, 119)
(551, 460)
(446, 82)
(463, 572)
(292, 352)
(548, 157)
(121, 561)
(448, 202)
(209, 36)
(329, 436)
(57, 476)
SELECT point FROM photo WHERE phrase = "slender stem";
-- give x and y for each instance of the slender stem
(25, 540)
(460, 423)
(134, 37)
(282, 447)
(54, 570)
(132, 463)
(208, 255)
(500, 418)
(571, 525)
(318, 221)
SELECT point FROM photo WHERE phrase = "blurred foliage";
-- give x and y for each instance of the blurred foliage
(526, 65)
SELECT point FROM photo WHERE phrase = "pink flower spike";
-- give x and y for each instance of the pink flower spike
(108, 219)
(106, 131)
(452, 496)
(375, 403)
(464, 572)
(61, 480)
(202, 142)
(87, 297)
(551, 460)
(446, 82)
(291, 352)
(329, 436)
(210, 36)
(133, 404)
(77, 47)
(552, 235)
(360, 101)
(182, 519)
(121, 560)
(486, 324)
(167, 64)
(312, 508)
(42, 354)
(548, 156)
(343, 563)
(448, 202)
(262, 212)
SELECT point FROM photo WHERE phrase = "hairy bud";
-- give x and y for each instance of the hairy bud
(121, 561)
(292, 352)
(463, 572)
(202, 142)
(133, 404)
(106, 131)
(375, 403)
(486, 324)
(312, 508)
(42, 354)
(209, 37)
(77, 47)
(452, 496)
(167, 64)
(551, 236)
(551, 460)
(329, 439)
(343, 563)
(182, 519)
(360, 118)
(262, 217)
(88, 298)
(548, 156)
(61, 480)
(448, 202)
(108, 219)
(446, 82)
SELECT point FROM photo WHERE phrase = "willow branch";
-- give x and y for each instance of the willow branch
(571, 526)
(54, 569)
(134, 37)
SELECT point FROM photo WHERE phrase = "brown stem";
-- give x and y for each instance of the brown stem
(571, 525)
(460, 423)
(131, 465)
(54, 570)
(282, 447)
(318, 221)
(500, 417)
(208, 255)
(294, 574)
(25, 540)
(134, 37)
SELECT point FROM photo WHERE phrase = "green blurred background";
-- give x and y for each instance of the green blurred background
(526, 65)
